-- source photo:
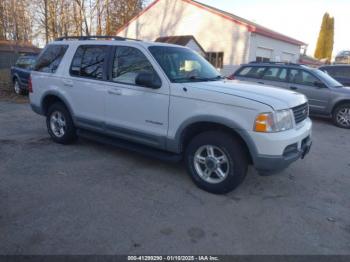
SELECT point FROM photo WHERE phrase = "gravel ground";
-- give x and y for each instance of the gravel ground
(89, 198)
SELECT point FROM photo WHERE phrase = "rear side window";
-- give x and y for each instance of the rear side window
(251, 71)
(275, 74)
(88, 62)
(50, 59)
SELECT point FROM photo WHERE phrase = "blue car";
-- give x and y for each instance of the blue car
(20, 73)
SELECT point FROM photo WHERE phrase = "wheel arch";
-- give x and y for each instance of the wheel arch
(195, 126)
(53, 97)
(340, 102)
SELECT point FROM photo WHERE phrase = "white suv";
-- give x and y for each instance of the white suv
(168, 101)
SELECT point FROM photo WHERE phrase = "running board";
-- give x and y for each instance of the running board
(130, 146)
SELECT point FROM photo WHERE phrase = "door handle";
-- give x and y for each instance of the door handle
(262, 83)
(68, 83)
(116, 92)
(293, 88)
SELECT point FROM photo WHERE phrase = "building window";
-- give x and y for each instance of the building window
(261, 59)
(216, 59)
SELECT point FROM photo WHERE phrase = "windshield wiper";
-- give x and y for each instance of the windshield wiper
(198, 79)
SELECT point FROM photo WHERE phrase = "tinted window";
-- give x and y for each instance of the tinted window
(338, 71)
(275, 74)
(88, 62)
(184, 65)
(25, 62)
(50, 58)
(302, 77)
(128, 63)
(252, 71)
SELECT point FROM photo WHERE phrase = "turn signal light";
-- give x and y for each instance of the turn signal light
(263, 123)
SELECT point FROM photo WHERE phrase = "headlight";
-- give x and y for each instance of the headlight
(274, 122)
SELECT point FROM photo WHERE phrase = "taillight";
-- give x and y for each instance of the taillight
(231, 77)
(30, 86)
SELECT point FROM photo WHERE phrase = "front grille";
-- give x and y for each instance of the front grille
(301, 112)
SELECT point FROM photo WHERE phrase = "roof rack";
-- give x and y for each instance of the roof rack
(95, 37)
(275, 63)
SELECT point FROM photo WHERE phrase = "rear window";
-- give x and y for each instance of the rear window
(88, 62)
(251, 71)
(50, 58)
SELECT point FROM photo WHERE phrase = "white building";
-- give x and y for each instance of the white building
(227, 39)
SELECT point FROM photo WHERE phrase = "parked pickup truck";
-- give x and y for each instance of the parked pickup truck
(168, 101)
(20, 73)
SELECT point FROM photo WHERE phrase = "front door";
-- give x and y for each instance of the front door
(307, 84)
(136, 112)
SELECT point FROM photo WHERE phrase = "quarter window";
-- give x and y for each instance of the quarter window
(128, 63)
(275, 74)
(50, 59)
(302, 78)
(88, 62)
(252, 71)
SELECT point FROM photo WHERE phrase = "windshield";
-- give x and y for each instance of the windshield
(182, 65)
(330, 81)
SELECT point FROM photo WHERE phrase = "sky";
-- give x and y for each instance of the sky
(300, 19)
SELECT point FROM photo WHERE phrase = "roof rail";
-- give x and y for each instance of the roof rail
(275, 63)
(95, 37)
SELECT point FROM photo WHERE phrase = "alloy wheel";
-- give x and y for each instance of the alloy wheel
(211, 164)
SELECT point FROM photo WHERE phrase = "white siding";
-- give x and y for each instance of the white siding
(193, 45)
(176, 17)
(279, 49)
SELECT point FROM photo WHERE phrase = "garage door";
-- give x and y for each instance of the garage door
(263, 54)
(287, 57)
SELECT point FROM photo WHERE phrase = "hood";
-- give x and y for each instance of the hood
(274, 97)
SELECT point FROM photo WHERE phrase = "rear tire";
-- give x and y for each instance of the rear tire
(60, 124)
(216, 161)
(17, 88)
(341, 116)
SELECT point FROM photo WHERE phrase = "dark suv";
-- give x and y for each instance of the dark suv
(327, 97)
(20, 73)
(339, 72)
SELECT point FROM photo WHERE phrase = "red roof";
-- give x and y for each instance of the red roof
(251, 26)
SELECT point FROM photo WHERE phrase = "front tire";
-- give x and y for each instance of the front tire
(341, 116)
(60, 124)
(216, 161)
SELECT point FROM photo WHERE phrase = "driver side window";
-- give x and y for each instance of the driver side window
(128, 63)
(302, 78)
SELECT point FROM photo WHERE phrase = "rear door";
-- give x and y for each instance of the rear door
(275, 76)
(86, 85)
(309, 85)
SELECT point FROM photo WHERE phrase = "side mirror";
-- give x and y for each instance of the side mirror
(319, 84)
(148, 79)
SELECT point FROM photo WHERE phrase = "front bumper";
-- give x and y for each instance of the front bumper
(271, 164)
(276, 151)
